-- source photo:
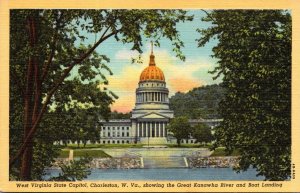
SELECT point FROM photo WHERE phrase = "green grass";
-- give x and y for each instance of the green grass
(90, 153)
(63, 153)
(188, 146)
(90, 146)
(220, 151)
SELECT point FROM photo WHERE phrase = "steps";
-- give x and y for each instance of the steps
(153, 140)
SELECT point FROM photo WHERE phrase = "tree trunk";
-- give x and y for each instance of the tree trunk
(31, 105)
(178, 142)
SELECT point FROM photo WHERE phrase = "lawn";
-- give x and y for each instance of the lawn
(187, 146)
(64, 153)
(90, 153)
(90, 146)
(220, 151)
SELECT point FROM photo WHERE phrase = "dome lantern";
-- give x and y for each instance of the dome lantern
(152, 72)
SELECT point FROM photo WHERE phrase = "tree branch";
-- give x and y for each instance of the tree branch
(52, 91)
(208, 15)
(52, 52)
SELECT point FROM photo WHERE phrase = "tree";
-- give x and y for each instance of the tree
(254, 58)
(202, 133)
(180, 127)
(48, 48)
(201, 102)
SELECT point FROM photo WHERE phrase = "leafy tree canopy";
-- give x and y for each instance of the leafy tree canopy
(51, 65)
(254, 57)
(201, 102)
(202, 133)
(180, 127)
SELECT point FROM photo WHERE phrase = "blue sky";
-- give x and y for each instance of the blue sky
(180, 76)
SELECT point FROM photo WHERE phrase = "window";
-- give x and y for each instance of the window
(113, 128)
(127, 134)
(103, 128)
(127, 128)
(108, 134)
(113, 141)
(127, 141)
(122, 128)
(122, 141)
(123, 134)
(118, 134)
(108, 142)
(118, 128)
(118, 141)
(103, 142)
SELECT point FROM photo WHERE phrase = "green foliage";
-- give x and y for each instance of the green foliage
(202, 133)
(90, 153)
(220, 151)
(64, 153)
(201, 102)
(180, 128)
(76, 170)
(56, 72)
(118, 115)
(254, 58)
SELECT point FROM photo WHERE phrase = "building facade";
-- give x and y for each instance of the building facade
(150, 115)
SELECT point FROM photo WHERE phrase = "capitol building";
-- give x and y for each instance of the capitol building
(150, 116)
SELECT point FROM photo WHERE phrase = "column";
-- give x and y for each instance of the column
(154, 129)
(159, 129)
(150, 132)
(146, 134)
(138, 129)
(142, 129)
(164, 130)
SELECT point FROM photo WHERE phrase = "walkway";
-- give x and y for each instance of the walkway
(159, 157)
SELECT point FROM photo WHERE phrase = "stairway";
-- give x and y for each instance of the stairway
(164, 162)
(153, 140)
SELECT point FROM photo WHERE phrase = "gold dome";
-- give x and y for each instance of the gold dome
(152, 72)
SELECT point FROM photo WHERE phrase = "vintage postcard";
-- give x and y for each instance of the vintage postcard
(149, 96)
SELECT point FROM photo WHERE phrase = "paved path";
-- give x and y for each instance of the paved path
(159, 157)
(157, 152)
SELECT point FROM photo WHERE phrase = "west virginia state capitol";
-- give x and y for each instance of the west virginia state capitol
(150, 116)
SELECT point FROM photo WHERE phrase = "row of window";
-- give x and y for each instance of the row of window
(157, 84)
(115, 141)
(113, 128)
(114, 134)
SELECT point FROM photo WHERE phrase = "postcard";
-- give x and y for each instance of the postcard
(149, 96)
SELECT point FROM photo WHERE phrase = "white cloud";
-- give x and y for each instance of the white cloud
(126, 54)
(179, 75)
